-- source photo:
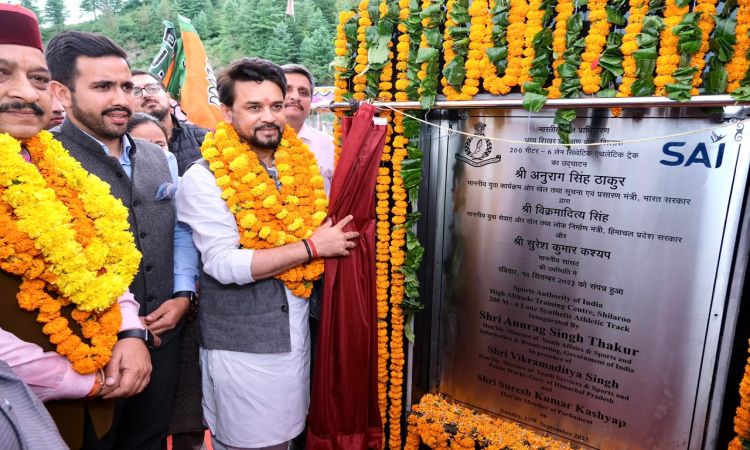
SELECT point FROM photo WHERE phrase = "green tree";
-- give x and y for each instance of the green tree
(91, 6)
(281, 48)
(316, 53)
(55, 13)
(29, 4)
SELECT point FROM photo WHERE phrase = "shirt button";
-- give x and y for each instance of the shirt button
(148, 268)
(142, 235)
(150, 298)
(136, 203)
(119, 174)
(284, 308)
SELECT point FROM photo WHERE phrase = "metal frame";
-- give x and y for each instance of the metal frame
(436, 236)
(516, 102)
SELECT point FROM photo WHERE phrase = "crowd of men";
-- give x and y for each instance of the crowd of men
(172, 371)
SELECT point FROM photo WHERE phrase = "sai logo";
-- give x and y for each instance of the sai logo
(678, 156)
(478, 149)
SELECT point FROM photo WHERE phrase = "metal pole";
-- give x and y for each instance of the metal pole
(593, 102)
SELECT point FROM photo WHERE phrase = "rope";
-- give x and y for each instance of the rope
(593, 144)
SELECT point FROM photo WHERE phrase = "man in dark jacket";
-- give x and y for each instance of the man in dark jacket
(185, 139)
(92, 79)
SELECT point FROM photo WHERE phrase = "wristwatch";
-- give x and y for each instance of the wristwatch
(144, 334)
(193, 307)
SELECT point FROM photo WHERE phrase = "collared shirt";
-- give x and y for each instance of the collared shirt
(185, 255)
(49, 375)
(250, 400)
(321, 145)
(24, 422)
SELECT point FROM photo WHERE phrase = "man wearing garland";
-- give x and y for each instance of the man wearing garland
(92, 79)
(256, 206)
(65, 248)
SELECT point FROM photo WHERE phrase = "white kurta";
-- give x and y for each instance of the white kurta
(249, 399)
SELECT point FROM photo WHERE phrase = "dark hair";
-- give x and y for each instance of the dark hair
(64, 49)
(141, 118)
(302, 70)
(248, 69)
(135, 72)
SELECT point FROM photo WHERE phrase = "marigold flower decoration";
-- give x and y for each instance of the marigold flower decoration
(564, 9)
(360, 80)
(341, 84)
(456, 54)
(266, 216)
(737, 67)
(382, 262)
(669, 58)
(441, 425)
(68, 238)
(478, 65)
(402, 52)
(742, 417)
(707, 10)
(397, 243)
(638, 11)
(589, 69)
(534, 17)
(516, 41)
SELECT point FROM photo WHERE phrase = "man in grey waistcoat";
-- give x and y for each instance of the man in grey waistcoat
(255, 340)
(92, 79)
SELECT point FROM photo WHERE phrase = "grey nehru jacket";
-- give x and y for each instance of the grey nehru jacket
(250, 318)
(152, 221)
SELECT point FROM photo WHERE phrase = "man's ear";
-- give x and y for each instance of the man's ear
(227, 113)
(62, 93)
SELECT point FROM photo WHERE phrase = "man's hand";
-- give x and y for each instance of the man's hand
(332, 240)
(129, 369)
(168, 315)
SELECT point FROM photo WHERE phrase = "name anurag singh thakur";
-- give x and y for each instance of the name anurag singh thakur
(573, 338)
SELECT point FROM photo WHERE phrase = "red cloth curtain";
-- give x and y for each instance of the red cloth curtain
(344, 410)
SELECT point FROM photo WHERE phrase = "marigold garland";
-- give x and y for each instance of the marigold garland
(360, 80)
(737, 67)
(397, 243)
(669, 58)
(266, 216)
(341, 82)
(742, 417)
(91, 277)
(516, 40)
(441, 425)
(638, 11)
(534, 17)
(707, 11)
(478, 64)
(68, 238)
(564, 9)
(589, 70)
(456, 53)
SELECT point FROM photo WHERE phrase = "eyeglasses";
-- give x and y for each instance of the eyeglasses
(151, 89)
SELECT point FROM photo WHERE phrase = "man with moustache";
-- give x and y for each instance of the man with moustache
(92, 79)
(185, 139)
(255, 344)
(299, 92)
(25, 103)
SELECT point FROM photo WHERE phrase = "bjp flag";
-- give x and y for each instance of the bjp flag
(188, 74)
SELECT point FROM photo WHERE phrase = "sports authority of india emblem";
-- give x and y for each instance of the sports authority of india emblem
(477, 150)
